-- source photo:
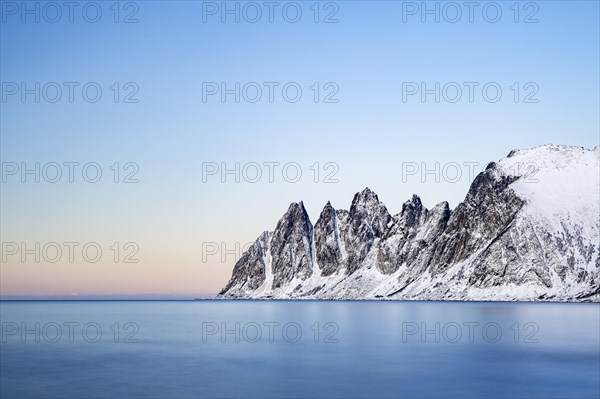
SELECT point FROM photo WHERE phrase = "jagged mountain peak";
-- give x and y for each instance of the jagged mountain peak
(329, 209)
(367, 191)
(291, 247)
(297, 205)
(327, 213)
(413, 203)
(363, 198)
(366, 200)
(413, 213)
(296, 210)
(368, 215)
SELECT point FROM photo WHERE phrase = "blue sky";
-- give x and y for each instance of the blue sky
(368, 56)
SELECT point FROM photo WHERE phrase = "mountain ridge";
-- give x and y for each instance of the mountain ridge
(511, 238)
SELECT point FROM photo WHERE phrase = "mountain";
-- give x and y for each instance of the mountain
(527, 230)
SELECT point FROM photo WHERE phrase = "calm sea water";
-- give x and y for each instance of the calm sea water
(275, 349)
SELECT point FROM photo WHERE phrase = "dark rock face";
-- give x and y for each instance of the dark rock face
(327, 239)
(368, 220)
(249, 270)
(487, 210)
(401, 244)
(413, 213)
(493, 270)
(487, 242)
(291, 246)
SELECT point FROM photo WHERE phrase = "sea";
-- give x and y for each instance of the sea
(298, 349)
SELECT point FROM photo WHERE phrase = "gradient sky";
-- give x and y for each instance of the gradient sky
(369, 133)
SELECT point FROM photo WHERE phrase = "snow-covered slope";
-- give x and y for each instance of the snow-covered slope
(528, 229)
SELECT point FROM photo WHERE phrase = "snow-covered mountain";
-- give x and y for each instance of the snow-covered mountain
(528, 229)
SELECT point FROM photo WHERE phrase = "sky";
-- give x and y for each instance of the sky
(145, 143)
